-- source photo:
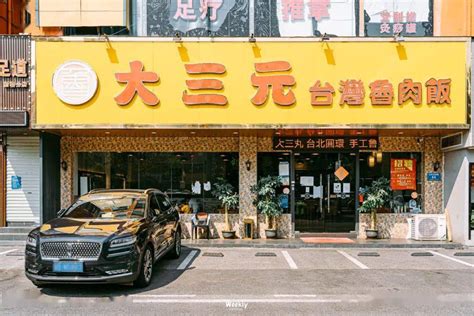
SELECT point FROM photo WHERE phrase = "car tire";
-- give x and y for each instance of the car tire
(175, 252)
(146, 269)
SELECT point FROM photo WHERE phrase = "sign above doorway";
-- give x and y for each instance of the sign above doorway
(325, 143)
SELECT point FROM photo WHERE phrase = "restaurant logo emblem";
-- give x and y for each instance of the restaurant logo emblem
(75, 82)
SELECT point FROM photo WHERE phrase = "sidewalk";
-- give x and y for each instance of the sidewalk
(300, 243)
(319, 243)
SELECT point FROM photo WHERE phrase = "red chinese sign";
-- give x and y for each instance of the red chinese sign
(403, 174)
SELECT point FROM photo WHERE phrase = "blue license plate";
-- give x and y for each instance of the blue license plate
(68, 266)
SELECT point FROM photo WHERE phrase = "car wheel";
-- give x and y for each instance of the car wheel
(176, 251)
(146, 269)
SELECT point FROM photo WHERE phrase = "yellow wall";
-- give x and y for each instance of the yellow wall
(310, 61)
(453, 18)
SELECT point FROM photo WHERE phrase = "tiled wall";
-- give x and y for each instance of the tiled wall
(247, 148)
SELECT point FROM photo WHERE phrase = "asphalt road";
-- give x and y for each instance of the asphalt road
(288, 281)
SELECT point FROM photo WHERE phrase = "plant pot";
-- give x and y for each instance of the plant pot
(371, 233)
(271, 233)
(228, 234)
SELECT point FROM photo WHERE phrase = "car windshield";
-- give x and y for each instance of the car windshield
(108, 208)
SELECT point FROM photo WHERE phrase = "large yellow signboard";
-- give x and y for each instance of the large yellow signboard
(160, 84)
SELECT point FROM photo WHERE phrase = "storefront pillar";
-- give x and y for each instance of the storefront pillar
(248, 147)
(432, 157)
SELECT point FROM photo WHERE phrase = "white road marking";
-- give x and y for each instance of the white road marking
(277, 298)
(462, 297)
(230, 301)
(354, 260)
(187, 260)
(8, 251)
(453, 259)
(295, 295)
(290, 260)
(162, 295)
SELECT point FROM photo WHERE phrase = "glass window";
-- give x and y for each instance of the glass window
(154, 205)
(277, 164)
(108, 208)
(374, 166)
(186, 178)
(164, 204)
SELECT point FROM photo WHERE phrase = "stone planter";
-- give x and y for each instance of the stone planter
(271, 233)
(371, 233)
(228, 234)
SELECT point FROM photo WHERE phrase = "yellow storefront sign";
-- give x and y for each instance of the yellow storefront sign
(141, 83)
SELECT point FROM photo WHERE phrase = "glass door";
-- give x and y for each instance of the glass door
(325, 192)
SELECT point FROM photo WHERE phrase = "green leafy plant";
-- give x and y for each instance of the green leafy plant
(224, 191)
(376, 196)
(266, 199)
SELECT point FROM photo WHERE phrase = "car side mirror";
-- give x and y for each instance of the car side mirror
(61, 212)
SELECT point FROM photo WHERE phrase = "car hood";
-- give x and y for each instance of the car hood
(88, 227)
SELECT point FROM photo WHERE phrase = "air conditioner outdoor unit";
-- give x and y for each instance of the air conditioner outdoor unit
(427, 227)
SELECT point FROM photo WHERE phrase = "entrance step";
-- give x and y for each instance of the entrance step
(16, 229)
(14, 233)
(329, 235)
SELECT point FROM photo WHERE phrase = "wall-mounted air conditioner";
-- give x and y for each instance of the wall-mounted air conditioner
(427, 227)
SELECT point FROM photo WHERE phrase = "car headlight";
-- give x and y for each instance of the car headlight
(31, 241)
(123, 241)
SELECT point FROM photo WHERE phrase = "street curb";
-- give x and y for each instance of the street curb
(323, 246)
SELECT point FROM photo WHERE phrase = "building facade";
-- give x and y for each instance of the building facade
(329, 96)
(180, 114)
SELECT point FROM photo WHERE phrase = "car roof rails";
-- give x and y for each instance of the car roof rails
(152, 190)
(116, 190)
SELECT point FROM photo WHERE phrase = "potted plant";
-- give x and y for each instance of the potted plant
(224, 191)
(266, 201)
(376, 196)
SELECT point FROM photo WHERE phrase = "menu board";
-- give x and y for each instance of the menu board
(403, 174)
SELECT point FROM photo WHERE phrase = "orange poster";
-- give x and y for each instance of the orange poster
(403, 174)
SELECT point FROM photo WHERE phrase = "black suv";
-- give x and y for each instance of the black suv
(106, 236)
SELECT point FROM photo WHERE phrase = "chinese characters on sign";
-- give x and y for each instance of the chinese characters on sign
(396, 17)
(325, 143)
(276, 82)
(14, 73)
(135, 80)
(188, 15)
(401, 21)
(276, 77)
(403, 174)
(295, 9)
(204, 84)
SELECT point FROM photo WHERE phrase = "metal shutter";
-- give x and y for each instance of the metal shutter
(23, 160)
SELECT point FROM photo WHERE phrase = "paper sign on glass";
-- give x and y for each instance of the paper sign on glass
(284, 169)
(307, 181)
(337, 188)
(317, 192)
(346, 188)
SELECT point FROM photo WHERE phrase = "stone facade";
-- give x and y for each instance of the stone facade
(392, 225)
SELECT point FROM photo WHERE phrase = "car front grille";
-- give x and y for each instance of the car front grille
(70, 250)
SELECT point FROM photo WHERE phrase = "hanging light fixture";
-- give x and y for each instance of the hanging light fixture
(379, 156)
(371, 161)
